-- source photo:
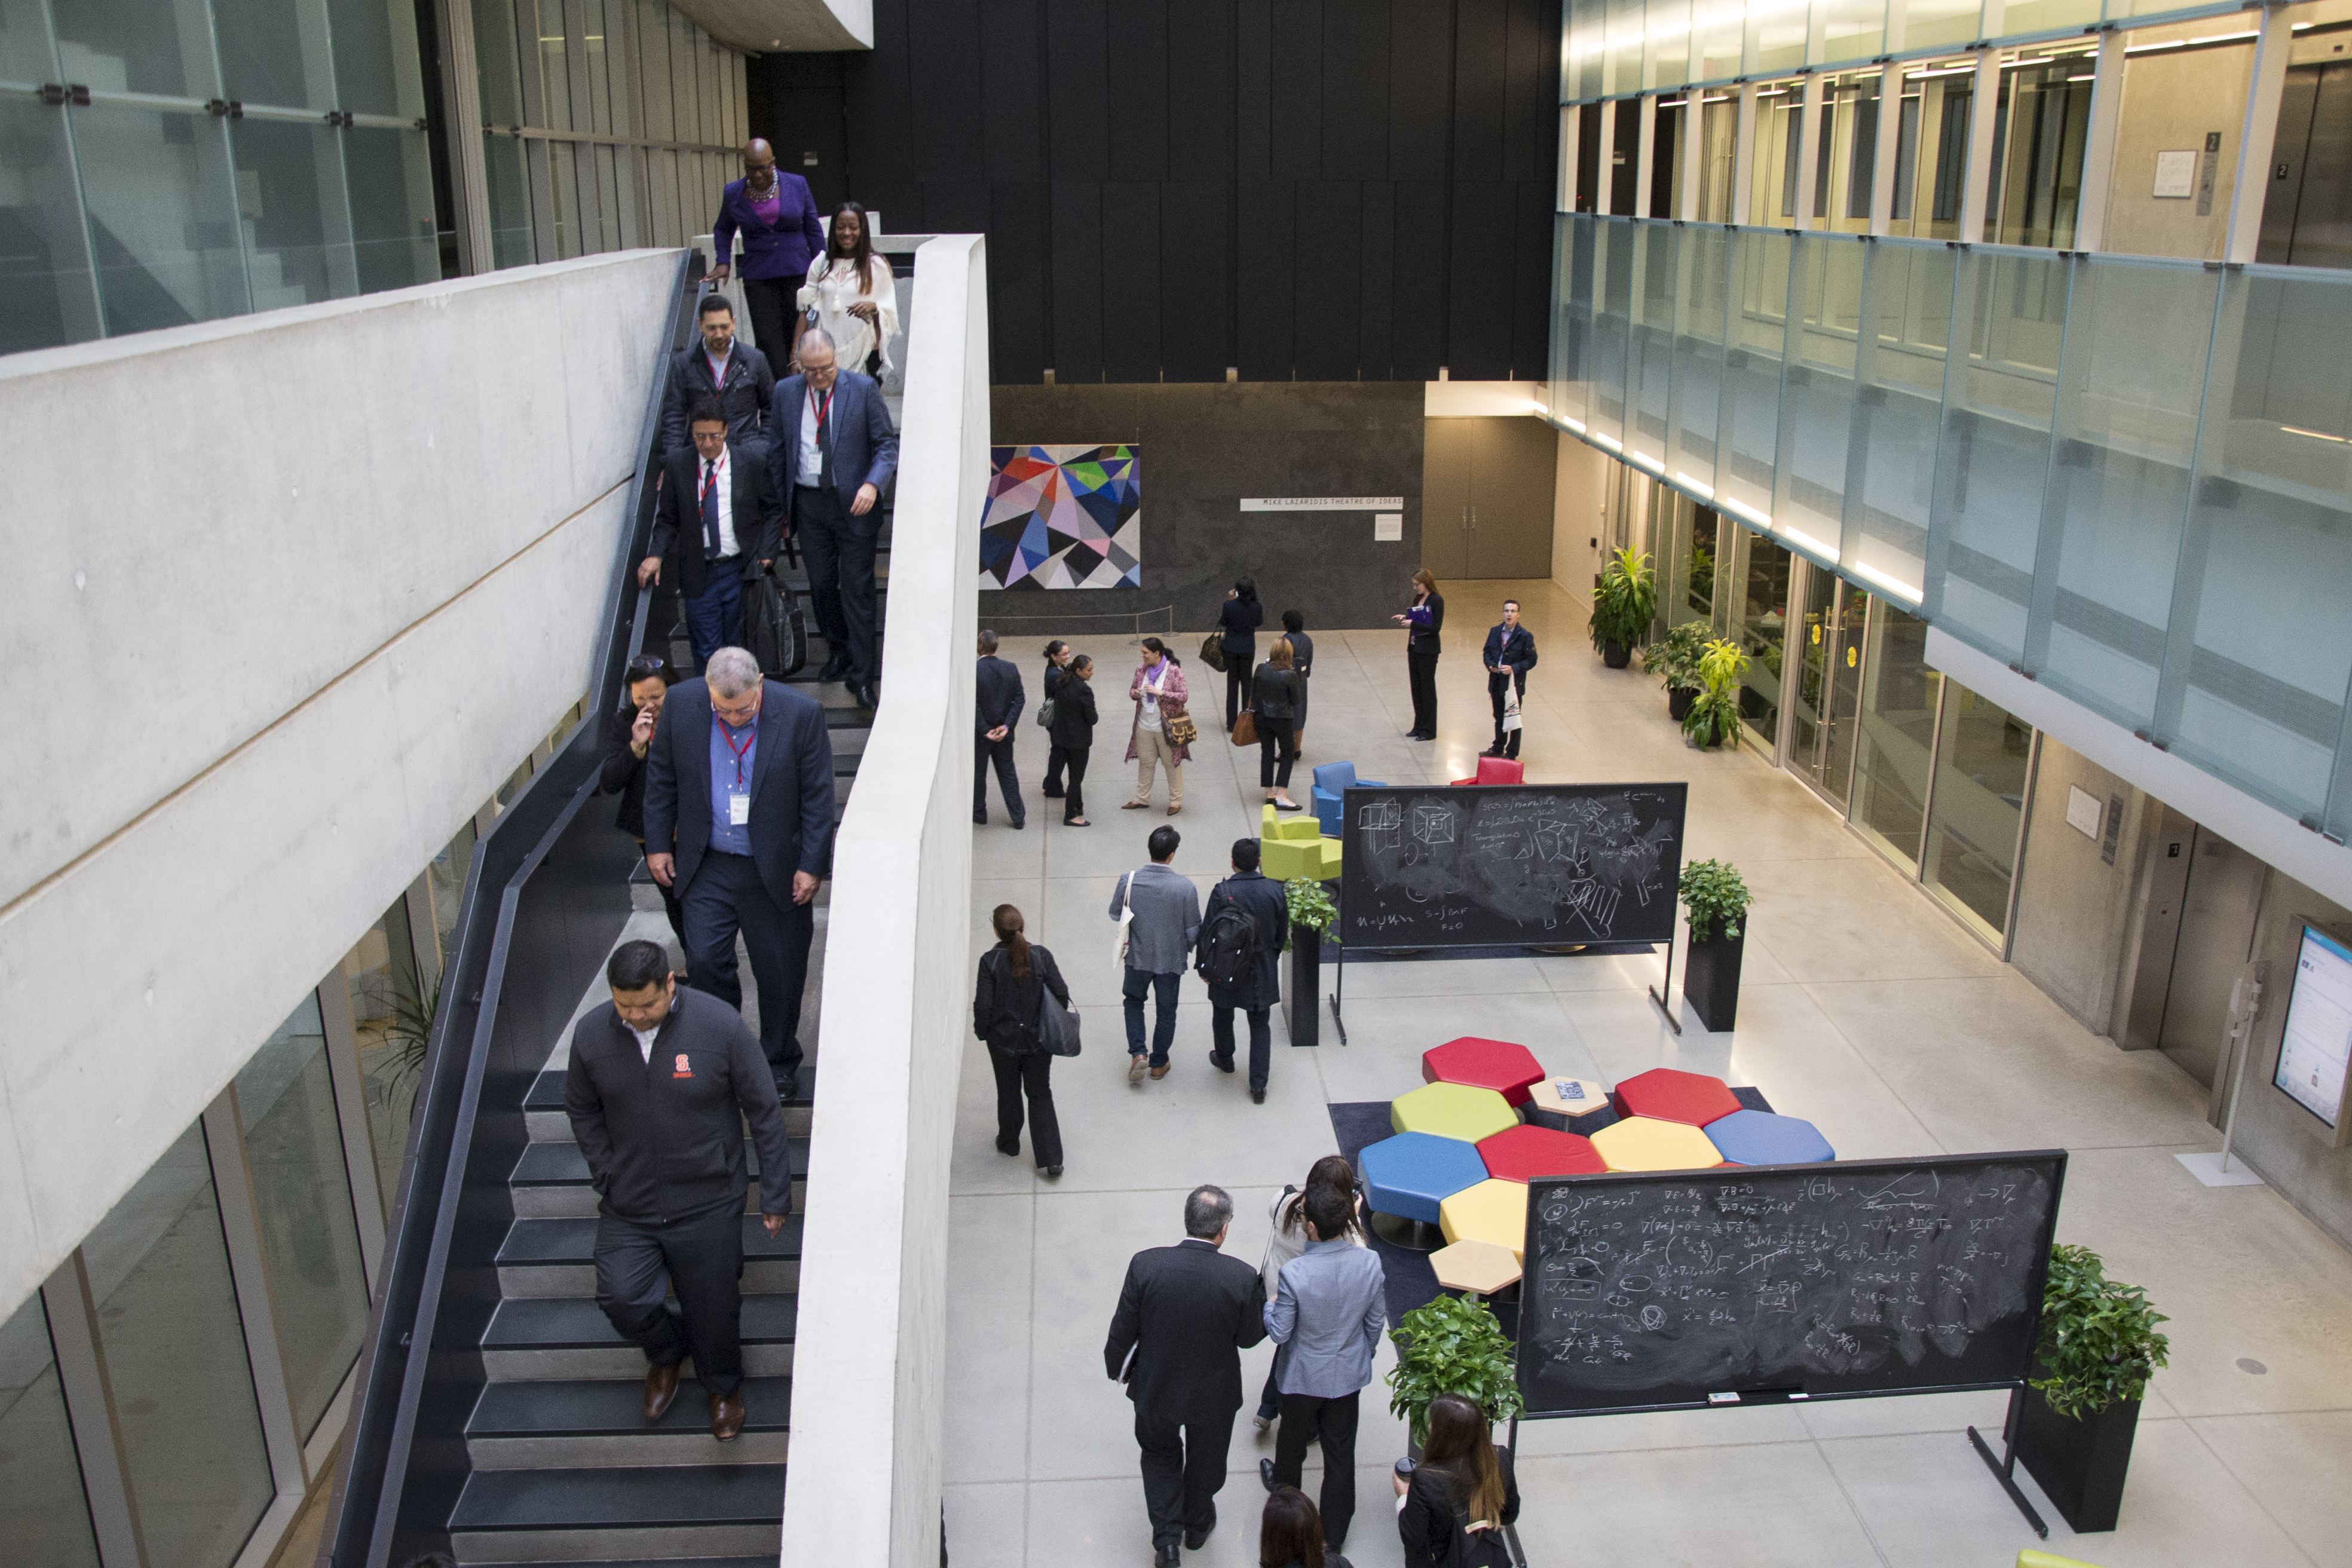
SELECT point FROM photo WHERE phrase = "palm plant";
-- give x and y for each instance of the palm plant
(1624, 603)
(1714, 718)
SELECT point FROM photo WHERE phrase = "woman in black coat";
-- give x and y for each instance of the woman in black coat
(1461, 1495)
(1238, 619)
(628, 734)
(1072, 733)
(1057, 659)
(1274, 704)
(1013, 975)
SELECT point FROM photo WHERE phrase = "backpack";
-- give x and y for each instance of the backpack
(1228, 946)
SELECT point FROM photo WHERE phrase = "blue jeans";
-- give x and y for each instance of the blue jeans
(1163, 1031)
(714, 619)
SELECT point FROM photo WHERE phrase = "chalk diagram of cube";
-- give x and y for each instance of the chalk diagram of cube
(1380, 824)
(1432, 824)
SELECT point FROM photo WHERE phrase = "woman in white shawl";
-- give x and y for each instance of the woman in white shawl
(851, 294)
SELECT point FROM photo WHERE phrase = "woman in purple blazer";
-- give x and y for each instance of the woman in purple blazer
(777, 216)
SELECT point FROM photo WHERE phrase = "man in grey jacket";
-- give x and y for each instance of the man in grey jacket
(1167, 917)
(1327, 1317)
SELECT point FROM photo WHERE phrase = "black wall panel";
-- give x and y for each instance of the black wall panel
(1253, 90)
(1481, 62)
(1200, 69)
(1078, 97)
(1266, 242)
(1017, 297)
(881, 140)
(1530, 89)
(1075, 227)
(1328, 303)
(1295, 51)
(1485, 272)
(1376, 277)
(1135, 67)
(1130, 280)
(1418, 242)
(1356, 110)
(1531, 298)
(942, 69)
(1196, 287)
(1010, 72)
(801, 108)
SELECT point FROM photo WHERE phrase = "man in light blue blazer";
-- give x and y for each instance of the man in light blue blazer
(1326, 1316)
(831, 454)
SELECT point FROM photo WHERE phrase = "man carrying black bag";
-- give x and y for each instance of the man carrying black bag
(716, 528)
(774, 632)
(1020, 986)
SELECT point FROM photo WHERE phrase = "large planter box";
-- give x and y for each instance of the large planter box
(1711, 979)
(2080, 1464)
(1302, 987)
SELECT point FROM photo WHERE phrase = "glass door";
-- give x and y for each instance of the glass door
(1825, 702)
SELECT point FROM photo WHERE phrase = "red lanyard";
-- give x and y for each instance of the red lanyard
(718, 366)
(750, 734)
(826, 408)
(710, 478)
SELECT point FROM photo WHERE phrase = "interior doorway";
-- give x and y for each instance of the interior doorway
(1826, 706)
(1488, 488)
(2201, 896)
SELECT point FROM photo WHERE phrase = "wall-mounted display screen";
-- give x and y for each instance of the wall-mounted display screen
(2318, 1043)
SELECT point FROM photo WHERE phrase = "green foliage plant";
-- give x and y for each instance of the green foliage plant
(1716, 897)
(1675, 657)
(1625, 601)
(1450, 1345)
(1714, 717)
(2099, 1343)
(410, 1033)
(1310, 905)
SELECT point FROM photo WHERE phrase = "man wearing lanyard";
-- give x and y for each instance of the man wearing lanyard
(738, 818)
(834, 451)
(733, 536)
(736, 374)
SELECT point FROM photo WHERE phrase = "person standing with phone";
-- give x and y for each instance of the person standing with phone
(628, 736)
(1422, 619)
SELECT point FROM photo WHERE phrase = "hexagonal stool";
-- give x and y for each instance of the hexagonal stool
(1451, 1111)
(1475, 1268)
(1693, 1099)
(1761, 1138)
(1524, 1154)
(1492, 1211)
(1499, 1065)
(1407, 1177)
(1550, 1104)
(1644, 1143)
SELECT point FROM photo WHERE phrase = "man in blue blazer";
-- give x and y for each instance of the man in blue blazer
(831, 453)
(739, 813)
(776, 215)
(1510, 654)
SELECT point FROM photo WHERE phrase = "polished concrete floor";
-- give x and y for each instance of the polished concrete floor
(1865, 1008)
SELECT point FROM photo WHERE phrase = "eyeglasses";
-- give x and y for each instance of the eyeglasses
(647, 666)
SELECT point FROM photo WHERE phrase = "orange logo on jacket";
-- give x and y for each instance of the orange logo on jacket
(683, 1071)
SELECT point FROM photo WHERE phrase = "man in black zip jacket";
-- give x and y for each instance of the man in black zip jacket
(1510, 654)
(658, 1079)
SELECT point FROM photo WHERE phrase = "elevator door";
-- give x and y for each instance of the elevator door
(2204, 894)
(2307, 212)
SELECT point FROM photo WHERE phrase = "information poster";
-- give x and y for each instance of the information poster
(2314, 1055)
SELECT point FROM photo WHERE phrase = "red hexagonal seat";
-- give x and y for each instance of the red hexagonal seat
(1525, 1154)
(1664, 1094)
(1508, 1069)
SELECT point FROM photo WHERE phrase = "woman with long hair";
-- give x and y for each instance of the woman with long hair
(1274, 703)
(1286, 1239)
(1159, 693)
(1238, 619)
(628, 736)
(1013, 975)
(1423, 619)
(1072, 733)
(1461, 1494)
(1290, 1533)
(851, 294)
(1057, 659)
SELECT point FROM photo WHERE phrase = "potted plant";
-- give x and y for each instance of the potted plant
(1717, 900)
(2074, 1422)
(1624, 603)
(1449, 1345)
(1311, 914)
(1713, 719)
(1674, 660)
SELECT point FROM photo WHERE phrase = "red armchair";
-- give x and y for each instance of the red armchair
(1498, 771)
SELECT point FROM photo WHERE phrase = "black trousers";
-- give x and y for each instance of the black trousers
(1498, 691)
(672, 906)
(1240, 686)
(774, 317)
(704, 1261)
(1276, 751)
(1183, 1466)
(1051, 788)
(1303, 1419)
(726, 897)
(1030, 1074)
(1261, 1029)
(840, 553)
(1074, 759)
(1421, 666)
(984, 752)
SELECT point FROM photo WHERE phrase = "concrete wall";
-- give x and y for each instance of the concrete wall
(2073, 909)
(869, 1372)
(298, 591)
(2170, 101)
(1581, 516)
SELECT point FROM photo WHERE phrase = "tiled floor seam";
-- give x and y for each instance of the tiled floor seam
(1862, 1521)
(2253, 1494)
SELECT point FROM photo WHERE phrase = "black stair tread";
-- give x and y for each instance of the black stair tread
(550, 1241)
(649, 1496)
(576, 1323)
(615, 1407)
(547, 1090)
(556, 1164)
(650, 1563)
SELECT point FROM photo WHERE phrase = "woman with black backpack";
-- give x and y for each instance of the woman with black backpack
(1014, 976)
(1239, 953)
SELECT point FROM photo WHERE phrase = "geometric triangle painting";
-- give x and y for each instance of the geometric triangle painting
(1063, 517)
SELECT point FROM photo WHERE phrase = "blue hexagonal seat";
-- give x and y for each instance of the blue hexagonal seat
(1410, 1175)
(1761, 1138)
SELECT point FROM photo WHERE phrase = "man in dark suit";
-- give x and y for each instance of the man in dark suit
(739, 813)
(660, 1085)
(993, 716)
(732, 536)
(736, 374)
(1259, 986)
(831, 454)
(1510, 654)
(1184, 1316)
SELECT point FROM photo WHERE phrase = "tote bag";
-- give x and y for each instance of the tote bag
(1058, 1027)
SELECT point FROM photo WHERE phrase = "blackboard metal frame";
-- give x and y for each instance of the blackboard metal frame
(2003, 1467)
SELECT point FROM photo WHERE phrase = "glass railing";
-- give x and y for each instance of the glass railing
(2133, 482)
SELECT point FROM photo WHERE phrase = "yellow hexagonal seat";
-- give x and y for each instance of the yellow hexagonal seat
(1494, 1211)
(1453, 1110)
(1644, 1143)
(1479, 1267)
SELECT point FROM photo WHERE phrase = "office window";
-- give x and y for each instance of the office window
(376, 70)
(394, 244)
(44, 1516)
(1898, 733)
(1760, 611)
(275, 52)
(163, 215)
(289, 192)
(1980, 764)
(164, 48)
(389, 1013)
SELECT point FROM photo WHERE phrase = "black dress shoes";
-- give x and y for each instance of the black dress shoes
(1266, 1473)
(867, 696)
(1167, 1556)
(834, 669)
(789, 1086)
(1196, 1539)
(1222, 1063)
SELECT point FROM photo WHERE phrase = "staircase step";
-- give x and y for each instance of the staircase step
(601, 1423)
(542, 1106)
(597, 1515)
(768, 1562)
(551, 1180)
(549, 1258)
(547, 1338)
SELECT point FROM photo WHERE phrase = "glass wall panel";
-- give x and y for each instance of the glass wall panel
(43, 1512)
(1667, 38)
(554, 71)
(1650, 357)
(1932, 147)
(174, 1344)
(1897, 732)
(1938, 24)
(375, 57)
(1817, 408)
(164, 48)
(600, 76)
(608, 200)
(652, 69)
(2038, 152)
(1779, 35)
(1980, 766)
(1587, 27)
(511, 243)
(388, 1018)
(310, 1238)
(565, 188)
(51, 298)
(290, 192)
(2024, 18)
(163, 210)
(496, 61)
(391, 176)
(1759, 610)
(661, 195)
(1899, 386)
(1751, 372)
(27, 54)
(1702, 271)
(1625, 29)
(1687, 567)
(1611, 327)
(275, 52)
(1722, 33)
(1772, 173)
(1853, 29)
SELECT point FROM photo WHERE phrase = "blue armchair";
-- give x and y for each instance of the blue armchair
(1331, 781)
